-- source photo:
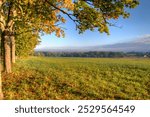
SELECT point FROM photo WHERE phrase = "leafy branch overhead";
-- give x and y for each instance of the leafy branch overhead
(97, 13)
(46, 15)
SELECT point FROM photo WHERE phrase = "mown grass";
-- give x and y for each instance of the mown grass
(78, 78)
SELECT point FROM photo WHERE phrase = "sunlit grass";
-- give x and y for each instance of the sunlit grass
(78, 78)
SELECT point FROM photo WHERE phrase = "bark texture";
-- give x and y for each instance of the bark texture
(7, 53)
(13, 49)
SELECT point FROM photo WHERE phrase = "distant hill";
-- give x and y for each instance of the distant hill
(138, 45)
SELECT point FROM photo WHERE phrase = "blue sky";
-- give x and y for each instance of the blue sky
(137, 25)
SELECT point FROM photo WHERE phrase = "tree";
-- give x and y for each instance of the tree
(47, 15)
(34, 14)
(25, 42)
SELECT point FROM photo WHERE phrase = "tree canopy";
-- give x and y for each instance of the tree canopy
(46, 15)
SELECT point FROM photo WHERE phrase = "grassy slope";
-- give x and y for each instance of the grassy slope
(78, 78)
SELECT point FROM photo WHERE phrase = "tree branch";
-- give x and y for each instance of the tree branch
(69, 15)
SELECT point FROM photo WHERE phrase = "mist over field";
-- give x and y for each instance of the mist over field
(141, 44)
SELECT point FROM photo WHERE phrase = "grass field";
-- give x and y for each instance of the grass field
(78, 78)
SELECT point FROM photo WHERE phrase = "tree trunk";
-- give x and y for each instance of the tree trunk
(1, 57)
(1, 51)
(1, 93)
(7, 54)
(13, 49)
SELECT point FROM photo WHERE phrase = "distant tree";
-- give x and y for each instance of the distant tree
(94, 54)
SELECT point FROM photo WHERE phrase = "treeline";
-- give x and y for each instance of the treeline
(94, 54)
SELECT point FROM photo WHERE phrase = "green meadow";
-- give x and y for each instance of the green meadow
(78, 78)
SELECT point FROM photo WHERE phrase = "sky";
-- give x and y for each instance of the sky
(137, 25)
